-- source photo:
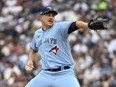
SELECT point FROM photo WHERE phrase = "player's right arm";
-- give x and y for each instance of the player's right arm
(32, 54)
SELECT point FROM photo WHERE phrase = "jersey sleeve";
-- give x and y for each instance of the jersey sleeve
(33, 44)
(64, 27)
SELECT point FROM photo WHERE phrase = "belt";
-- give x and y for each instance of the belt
(57, 69)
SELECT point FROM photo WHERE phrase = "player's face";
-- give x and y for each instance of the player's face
(48, 19)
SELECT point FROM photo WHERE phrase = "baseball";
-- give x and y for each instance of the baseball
(28, 69)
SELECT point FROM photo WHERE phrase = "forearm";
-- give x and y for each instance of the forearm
(82, 25)
(32, 54)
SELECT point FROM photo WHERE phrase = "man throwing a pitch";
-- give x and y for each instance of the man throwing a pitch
(51, 41)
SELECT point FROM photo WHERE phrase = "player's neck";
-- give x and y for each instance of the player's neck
(45, 27)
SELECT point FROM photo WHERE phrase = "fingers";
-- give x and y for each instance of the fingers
(29, 67)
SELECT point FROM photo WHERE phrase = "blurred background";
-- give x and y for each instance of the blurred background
(94, 52)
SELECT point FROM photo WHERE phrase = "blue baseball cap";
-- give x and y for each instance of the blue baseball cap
(45, 10)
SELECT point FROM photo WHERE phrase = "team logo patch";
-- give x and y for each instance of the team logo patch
(54, 49)
(49, 8)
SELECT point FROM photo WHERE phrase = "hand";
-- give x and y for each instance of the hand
(98, 23)
(29, 66)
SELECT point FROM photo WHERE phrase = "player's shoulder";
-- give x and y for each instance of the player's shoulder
(39, 30)
(62, 23)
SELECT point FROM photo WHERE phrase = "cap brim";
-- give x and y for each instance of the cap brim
(52, 11)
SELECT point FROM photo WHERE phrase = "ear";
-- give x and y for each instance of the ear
(40, 17)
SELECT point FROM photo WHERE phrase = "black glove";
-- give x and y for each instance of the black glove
(98, 23)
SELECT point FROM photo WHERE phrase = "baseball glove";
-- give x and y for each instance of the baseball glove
(98, 23)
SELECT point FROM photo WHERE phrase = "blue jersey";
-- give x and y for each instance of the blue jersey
(53, 45)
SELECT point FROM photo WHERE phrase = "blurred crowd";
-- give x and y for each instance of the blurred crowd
(94, 52)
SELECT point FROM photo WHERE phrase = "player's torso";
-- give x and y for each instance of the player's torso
(53, 48)
(46, 40)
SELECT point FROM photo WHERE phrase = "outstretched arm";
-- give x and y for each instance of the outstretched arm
(97, 23)
(78, 25)
(82, 25)
(94, 24)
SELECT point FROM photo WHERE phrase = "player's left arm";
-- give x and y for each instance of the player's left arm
(82, 25)
(78, 25)
(96, 23)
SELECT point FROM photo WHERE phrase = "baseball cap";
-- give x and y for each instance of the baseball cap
(48, 9)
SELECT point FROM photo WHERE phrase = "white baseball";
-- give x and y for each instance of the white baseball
(28, 69)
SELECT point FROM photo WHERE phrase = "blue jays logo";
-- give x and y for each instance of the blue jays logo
(49, 8)
(54, 49)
